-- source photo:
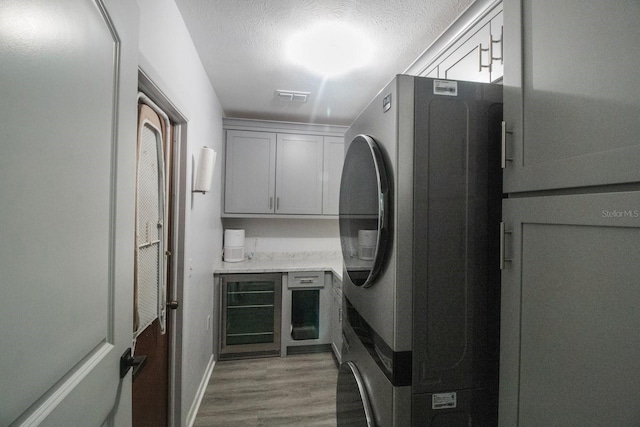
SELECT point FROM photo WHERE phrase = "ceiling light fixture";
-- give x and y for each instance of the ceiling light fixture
(330, 49)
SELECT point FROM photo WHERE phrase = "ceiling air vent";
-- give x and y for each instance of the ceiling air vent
(292, 96)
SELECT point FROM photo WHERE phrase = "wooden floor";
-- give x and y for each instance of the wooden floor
(298, 390)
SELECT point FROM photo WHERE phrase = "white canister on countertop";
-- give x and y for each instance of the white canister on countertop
(233, 245)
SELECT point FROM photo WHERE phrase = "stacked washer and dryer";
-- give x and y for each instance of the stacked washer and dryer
(421, 316)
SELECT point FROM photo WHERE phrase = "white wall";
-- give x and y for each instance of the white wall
(288, 235)
(168, 57)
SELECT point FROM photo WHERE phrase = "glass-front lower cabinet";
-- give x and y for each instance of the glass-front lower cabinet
(251, 314)
(306, 312)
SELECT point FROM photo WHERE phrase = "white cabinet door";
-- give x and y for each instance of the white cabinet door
(333, 160)
(299, 174)
(571, 93)
(476, 55)
(250, 168)
(68, 81)
(471, 61)
(570, 353)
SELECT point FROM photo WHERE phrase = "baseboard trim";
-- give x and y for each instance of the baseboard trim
(308, 349)
(195, 406)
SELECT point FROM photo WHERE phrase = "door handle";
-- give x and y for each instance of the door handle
(127, 361)
(172, 305)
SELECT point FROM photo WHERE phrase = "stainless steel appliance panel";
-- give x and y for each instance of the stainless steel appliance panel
(385, 304)
(377, 387)
(428, 323)
(457, 206)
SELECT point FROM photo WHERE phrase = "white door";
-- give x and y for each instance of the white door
(68, 80)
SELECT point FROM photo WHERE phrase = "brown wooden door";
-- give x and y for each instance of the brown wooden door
(151, 385)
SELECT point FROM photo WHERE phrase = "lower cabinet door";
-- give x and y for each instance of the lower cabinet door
(570, 351)
(251, 307)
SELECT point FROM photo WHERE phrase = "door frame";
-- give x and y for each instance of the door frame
(175, 282)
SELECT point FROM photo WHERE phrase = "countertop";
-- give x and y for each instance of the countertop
(270, 262)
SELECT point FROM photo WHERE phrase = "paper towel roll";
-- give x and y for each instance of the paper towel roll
(204, 173)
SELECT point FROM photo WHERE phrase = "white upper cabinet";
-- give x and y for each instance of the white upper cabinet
(333, 161)
(299, 164)
(472, 53)
(282, 173)
(478, 58)
(571, 93)
(470, 61)
(250, 172)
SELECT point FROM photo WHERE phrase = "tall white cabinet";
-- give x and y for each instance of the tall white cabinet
(284, 169)
(570, 351)
(570, 348)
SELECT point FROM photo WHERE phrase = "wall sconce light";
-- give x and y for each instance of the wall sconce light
(204, 171)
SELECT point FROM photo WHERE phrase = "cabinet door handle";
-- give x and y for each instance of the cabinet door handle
(490, 50)
(500, 40)
(270, 203)
(503, 145)
(503, 259)
(277, 204)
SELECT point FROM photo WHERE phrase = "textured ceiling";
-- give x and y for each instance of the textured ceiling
(241, 44)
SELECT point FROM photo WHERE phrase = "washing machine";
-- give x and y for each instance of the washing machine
(422, 180)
